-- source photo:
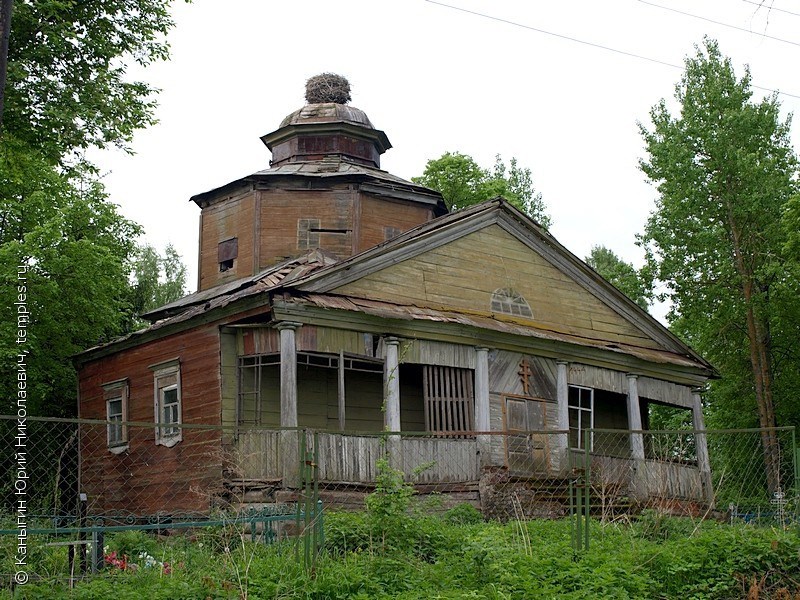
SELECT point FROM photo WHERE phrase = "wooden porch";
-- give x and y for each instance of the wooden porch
(434, 463)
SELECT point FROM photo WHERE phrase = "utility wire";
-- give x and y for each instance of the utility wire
(585, 43)
(558, 35)
(686, 14)
(771, 8)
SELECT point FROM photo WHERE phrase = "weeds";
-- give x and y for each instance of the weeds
(392, 553)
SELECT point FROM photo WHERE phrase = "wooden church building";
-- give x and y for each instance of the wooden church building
(337, 297)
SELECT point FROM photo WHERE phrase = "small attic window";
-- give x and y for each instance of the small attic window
(510, 302)
(227, 252)
(391, 232)
(307, 234)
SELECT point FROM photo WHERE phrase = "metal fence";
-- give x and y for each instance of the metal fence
(208, 469)
(271, 481)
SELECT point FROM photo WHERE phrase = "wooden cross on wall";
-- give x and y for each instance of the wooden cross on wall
(524, 376)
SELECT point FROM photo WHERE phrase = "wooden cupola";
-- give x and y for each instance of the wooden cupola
(324, 189)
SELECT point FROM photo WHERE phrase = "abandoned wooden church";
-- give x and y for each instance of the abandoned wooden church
(335, 296)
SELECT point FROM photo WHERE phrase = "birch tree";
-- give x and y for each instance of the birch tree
(724, 169)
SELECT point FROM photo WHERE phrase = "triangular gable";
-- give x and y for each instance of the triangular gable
(457, 261)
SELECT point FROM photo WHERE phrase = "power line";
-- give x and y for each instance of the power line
(771, 8)
(558, 35)
(585, 43)
(686, 14)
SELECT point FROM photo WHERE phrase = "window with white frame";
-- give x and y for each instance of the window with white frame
(167, 402)
(116, 397)
(510, 302)
(581, 416)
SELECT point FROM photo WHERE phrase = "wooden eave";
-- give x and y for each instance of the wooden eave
(458, 328)
(244, 307)
(214, 304)
(370, 180)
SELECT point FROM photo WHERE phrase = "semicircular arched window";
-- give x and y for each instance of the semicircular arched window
(510, 302)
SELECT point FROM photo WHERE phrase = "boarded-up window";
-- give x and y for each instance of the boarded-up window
(227, 252)
(510, 302)
(391, 232)
(526, 445)
(449, 399)
(307, 234)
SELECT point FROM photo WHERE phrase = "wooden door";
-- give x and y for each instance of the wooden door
(526, 445)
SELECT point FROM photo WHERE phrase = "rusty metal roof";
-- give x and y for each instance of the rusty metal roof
(330, 166)
(286, 271)
(495, 322)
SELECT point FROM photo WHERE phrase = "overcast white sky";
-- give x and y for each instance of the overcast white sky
(438, 79)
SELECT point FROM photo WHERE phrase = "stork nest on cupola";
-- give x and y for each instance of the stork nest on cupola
(327, 87)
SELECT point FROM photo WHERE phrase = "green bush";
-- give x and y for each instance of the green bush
(131, 543)
(463, 514)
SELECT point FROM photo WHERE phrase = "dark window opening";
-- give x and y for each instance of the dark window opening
(667, 442)
(321, 230)
(259, 387)
(227, 251)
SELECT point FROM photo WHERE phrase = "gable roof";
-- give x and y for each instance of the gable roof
(316, 278)
(499, 212)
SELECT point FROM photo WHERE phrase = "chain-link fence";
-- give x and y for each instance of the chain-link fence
(129, 469)
(723, 475)
(79, 476)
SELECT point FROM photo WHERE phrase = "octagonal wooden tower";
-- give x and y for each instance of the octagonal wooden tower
(324, 189)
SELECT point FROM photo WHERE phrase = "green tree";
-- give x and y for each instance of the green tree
(66, 92)
(634, 284)
(462, 182)
(724, 169)
(156, 280)
(73, 247)
(67, 89)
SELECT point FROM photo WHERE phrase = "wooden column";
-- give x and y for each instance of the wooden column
(391, 382)
(288, 373)
(701, 444)
(482, 418)
(482, 410)
(341, 391)
(635, 418)
(561, 441)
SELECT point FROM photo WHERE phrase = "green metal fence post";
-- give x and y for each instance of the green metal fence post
(587, 480)
(578, 515)
(572, 516)
(320, 525)
(308, 507)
